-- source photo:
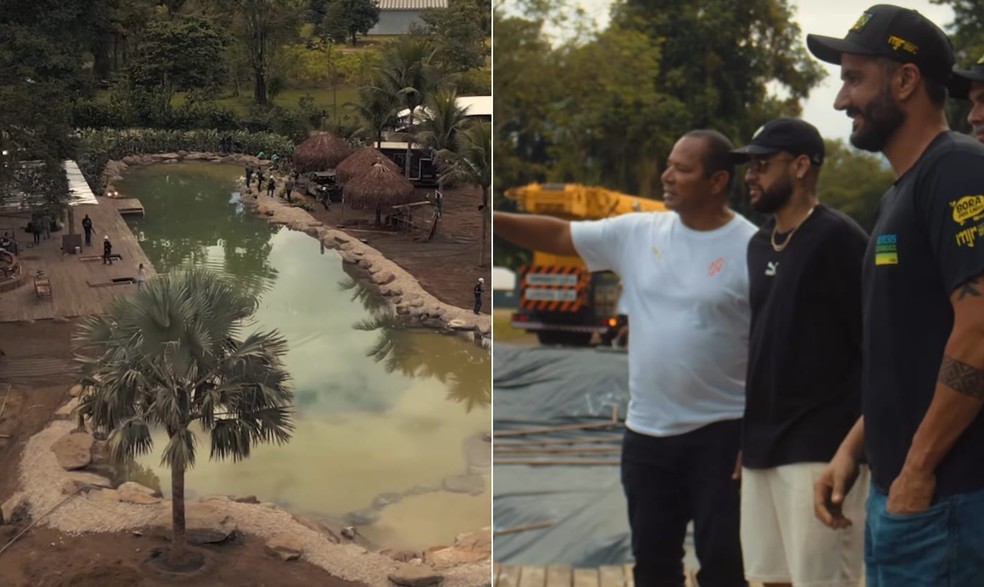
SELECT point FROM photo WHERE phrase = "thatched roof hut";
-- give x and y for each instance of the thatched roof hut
(362, 161)
(380, 186)
(320, 152)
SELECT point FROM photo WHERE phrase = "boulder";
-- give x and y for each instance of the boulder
(76, 480)
(131, 492)
(100, 452)
(75, 390)
(16, 509)
(204, 523)
(416, 577)
(478, 542)
(73, 450)
(444, 558)
(67, 411)
(286, 546)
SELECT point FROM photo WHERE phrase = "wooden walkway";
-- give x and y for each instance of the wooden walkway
(70, 276)
(561, 576)
(565, 576)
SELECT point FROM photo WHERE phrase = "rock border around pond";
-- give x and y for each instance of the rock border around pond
(78, 502)
(403, 292)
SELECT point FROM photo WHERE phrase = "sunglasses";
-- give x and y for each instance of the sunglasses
(761, 166)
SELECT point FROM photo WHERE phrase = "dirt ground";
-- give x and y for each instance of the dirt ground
(47, 558)
(448, 265)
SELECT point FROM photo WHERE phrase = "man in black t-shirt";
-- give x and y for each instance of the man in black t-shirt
(923, 312)
(803, 390)
(968, 84)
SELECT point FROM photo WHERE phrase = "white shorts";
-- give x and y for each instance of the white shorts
(782, 541)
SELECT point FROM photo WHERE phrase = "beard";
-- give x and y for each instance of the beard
(774, 197)
(881, 118)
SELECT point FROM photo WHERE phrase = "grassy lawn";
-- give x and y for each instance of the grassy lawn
(287, 98)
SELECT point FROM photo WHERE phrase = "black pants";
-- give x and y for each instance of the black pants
(478, 303)
(88, 238)
(668, 482)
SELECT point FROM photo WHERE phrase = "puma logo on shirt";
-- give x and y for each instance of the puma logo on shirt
(770, 268)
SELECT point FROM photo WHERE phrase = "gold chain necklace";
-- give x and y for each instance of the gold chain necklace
(789, 237)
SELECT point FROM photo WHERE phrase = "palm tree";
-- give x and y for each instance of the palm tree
(172, 356)
(378, 108)
(407, 74)
(472, 164)
(438, 131)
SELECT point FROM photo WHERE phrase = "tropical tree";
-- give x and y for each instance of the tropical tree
(173, 357)
(351, 17)
(377, 108)
(443, 119)
(263, 27)
(407, 75)
(177, 55)
(472, 164)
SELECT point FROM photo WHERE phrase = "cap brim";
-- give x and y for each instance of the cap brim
(959, 84)
(741, 155)
(830, 49)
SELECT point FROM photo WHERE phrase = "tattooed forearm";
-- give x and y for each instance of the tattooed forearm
(970, 288)
(961, 377)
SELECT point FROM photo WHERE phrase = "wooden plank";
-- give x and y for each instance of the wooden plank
(611, 576)
(559, 576)
(585, 578)
(628, 569)
(532, 576)
(508, 576)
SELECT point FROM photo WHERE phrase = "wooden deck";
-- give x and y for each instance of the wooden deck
(565, 576)
(128, 206)
(561, 576)
(70, 276)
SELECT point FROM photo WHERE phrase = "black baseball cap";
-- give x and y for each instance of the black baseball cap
(960, 81)
(901, 34)
(783, 134)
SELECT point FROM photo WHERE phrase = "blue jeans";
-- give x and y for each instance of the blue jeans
(942, 546)
(671, 480)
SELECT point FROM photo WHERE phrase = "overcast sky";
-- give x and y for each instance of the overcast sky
(825, 17)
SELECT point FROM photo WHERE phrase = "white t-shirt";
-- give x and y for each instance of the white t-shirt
(687, 294)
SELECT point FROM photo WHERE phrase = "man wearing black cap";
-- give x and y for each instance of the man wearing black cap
(803, 390)
(923, 312)
(968, 84)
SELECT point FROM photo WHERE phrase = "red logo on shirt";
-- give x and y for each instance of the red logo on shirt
(716, 266)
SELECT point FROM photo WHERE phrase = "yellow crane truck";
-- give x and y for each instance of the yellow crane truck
(559, 299)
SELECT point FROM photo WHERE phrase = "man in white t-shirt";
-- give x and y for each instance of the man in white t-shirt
(685, 285)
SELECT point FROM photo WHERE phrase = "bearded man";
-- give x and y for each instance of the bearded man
(923, 312)
(803, 389)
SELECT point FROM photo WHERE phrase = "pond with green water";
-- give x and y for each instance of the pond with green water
(392, 423)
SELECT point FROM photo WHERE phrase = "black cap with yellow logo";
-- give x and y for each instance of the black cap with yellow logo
(960, 82)
(897, 33)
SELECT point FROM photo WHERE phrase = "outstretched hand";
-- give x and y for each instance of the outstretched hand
(832, 487)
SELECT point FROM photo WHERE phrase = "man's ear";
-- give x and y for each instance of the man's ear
(905, 81)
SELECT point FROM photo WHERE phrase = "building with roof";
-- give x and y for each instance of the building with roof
(397, 16)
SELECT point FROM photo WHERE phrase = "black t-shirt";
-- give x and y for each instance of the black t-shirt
(928, 241)
(803, 390)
